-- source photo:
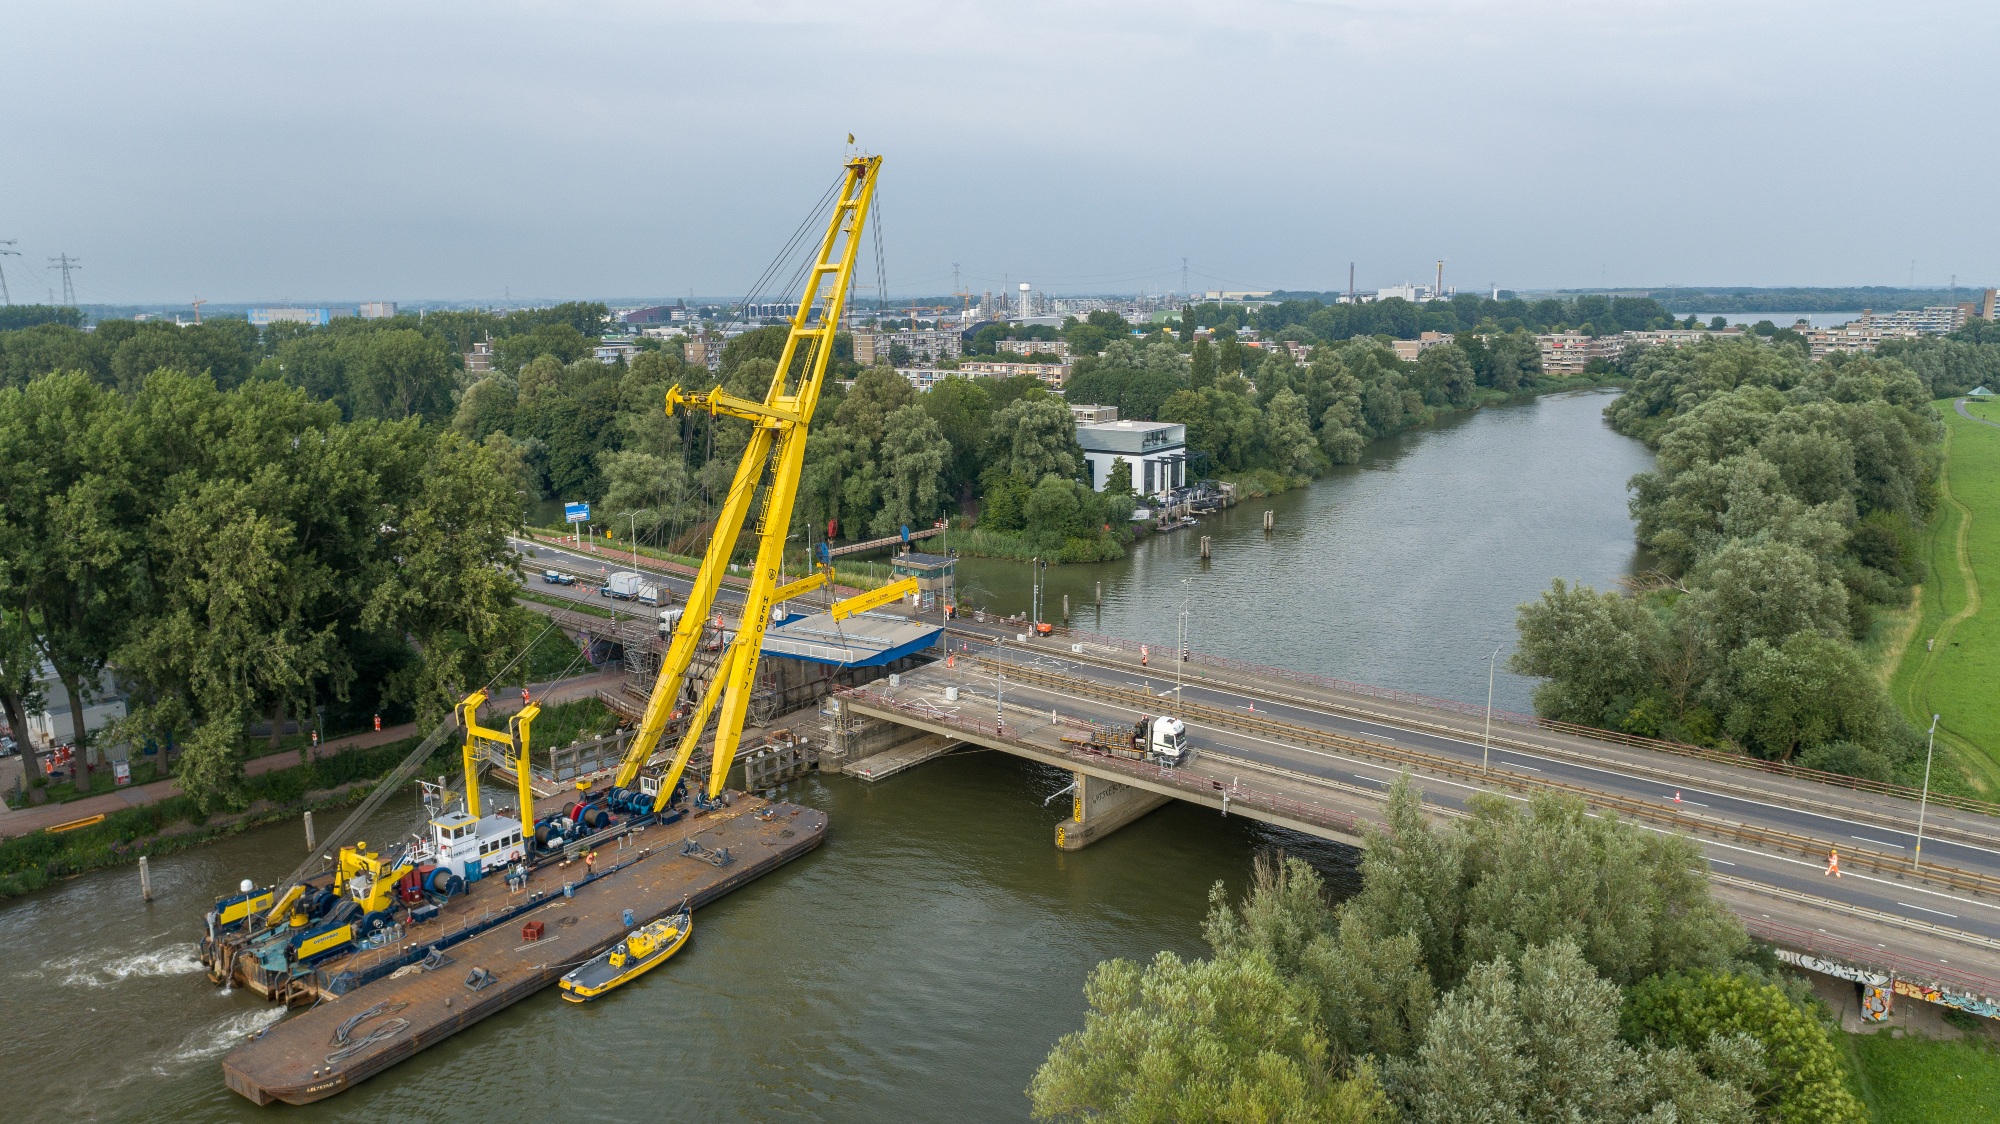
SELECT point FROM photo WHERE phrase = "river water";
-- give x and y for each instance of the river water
(921, 963)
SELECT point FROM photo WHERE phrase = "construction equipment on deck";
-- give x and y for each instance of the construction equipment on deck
(776, 448)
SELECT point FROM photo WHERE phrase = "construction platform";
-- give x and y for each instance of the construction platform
(417, 1007)
(862, 640)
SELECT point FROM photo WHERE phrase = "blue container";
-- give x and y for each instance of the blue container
(472, 871)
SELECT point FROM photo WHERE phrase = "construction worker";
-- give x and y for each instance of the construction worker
(1833, 863)
(589, 863)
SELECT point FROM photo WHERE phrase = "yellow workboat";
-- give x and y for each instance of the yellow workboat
(630, 958)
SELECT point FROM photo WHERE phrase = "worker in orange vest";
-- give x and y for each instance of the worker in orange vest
(1833, 863)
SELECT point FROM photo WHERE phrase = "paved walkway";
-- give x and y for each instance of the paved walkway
(1960, 403)
(22, 821)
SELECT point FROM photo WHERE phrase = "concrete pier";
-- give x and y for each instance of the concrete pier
(1100, 807)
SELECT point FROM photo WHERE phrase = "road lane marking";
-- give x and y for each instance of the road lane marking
(1877, 842)
(1927, 909)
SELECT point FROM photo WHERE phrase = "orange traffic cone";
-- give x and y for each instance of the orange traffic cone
(1677, 796)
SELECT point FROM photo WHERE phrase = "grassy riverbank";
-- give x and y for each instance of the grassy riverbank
(1952, 653)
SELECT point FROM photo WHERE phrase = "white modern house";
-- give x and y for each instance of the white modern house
(1157, 452)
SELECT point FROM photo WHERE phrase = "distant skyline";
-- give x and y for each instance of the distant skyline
(241, 152)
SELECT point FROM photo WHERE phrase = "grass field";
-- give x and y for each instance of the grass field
(1924, 1081)
(1950, 662)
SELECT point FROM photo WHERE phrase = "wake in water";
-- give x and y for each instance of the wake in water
(216, 1039)
(104, 968)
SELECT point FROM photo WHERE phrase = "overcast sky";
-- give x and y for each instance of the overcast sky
(462, 151)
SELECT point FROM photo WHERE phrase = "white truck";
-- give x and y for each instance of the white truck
(1159, 739)
(649, 593)
(622, 585)
(670, 619)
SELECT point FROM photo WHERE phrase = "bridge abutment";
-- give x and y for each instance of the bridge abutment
(1100, 807)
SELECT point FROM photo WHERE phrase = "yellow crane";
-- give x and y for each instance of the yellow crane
(773, 459)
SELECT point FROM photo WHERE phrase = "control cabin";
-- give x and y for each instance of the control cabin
(489, 841)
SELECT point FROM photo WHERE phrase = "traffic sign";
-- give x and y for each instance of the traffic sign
(576, 512)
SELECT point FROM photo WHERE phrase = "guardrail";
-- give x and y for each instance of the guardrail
(1813, 942)
(1531, 722)
(1302, 811)
(1403, 757)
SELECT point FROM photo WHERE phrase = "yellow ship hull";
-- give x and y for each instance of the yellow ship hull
(640, 952)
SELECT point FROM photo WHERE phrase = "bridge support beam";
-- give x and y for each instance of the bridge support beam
(1100, 807)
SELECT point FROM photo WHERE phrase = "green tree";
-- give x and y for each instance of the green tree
(1034, 438)
(1806, 1083)
(1201, 365)
(1226, 1039)
(914, 455)
(1289, 435)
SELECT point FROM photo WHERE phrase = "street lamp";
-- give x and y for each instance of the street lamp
(1486, 754)
(1923, 805)
(1180, 630)
(633, 517)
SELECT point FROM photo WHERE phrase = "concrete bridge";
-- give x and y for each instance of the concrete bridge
(1314, 755)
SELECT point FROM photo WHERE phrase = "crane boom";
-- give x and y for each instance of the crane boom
(778, 446)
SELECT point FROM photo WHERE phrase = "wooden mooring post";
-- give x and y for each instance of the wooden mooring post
(1270, 519)
(1204, 548)
(145, 880)
(311, 842)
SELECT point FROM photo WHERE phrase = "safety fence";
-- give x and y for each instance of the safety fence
(1525, 721)
(1435, 764)
(1102, 760)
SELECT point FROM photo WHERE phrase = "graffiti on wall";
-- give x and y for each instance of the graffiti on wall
(1833, 968)
(1874, 1003)
(1971, 1004)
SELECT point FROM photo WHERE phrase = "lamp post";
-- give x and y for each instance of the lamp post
(1923, 805)
(633, 517)
(1180, 630)
(1486, 754)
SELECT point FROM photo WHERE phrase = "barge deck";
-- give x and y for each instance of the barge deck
(417, 1007)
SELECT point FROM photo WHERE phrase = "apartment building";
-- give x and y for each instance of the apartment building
(1409, 350)
(926, 345)
(1034, 347)
(1157, 452)
(1567, 353)
(1054, 374)
(704, 351)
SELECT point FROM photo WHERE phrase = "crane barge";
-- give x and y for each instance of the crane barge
(488, 907)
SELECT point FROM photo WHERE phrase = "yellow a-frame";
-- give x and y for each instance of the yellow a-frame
(774, 457)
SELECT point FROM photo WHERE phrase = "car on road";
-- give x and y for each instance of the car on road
(557, 577)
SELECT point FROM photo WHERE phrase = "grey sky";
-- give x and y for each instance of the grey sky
(433, 150)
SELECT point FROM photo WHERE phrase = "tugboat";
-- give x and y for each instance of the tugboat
(630, 958)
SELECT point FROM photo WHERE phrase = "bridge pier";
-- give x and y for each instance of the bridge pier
(1100, 807)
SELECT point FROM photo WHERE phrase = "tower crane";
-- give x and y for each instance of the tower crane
(771, 464)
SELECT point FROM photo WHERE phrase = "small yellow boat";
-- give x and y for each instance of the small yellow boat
(630, 958)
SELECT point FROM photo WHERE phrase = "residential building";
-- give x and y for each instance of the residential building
(1157, 452)
(1092, 415)
(479, 360)
(1054, 374)
(1567, 353)
(704, 351)
(1034, 347)
(613, 352)
(1938, 319)
(265, 317)
(378, 310)
(923, 378)
(924, 345)
(1989, 306)
(1409, 350)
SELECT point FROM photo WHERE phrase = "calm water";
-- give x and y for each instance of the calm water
(922, 962)
(1402, 571)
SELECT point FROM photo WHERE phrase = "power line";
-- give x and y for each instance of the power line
(66, 263)
(5, 296)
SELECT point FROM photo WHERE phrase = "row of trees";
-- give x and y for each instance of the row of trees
(1318, 318)
(240, 553)
(1782, 511)
(1537, 965)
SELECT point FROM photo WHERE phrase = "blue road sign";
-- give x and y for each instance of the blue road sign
(576, 512)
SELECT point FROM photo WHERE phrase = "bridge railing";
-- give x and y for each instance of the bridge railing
(1165, 652)
(1303, 811)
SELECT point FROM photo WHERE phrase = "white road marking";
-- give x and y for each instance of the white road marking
(1877, 842)
(1927, 909)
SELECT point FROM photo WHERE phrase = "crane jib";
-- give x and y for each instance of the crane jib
(776, 450)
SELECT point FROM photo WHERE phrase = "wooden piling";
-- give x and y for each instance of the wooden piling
(311, 842)
(1270, 519)
(1204, 548)
(145, 880)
